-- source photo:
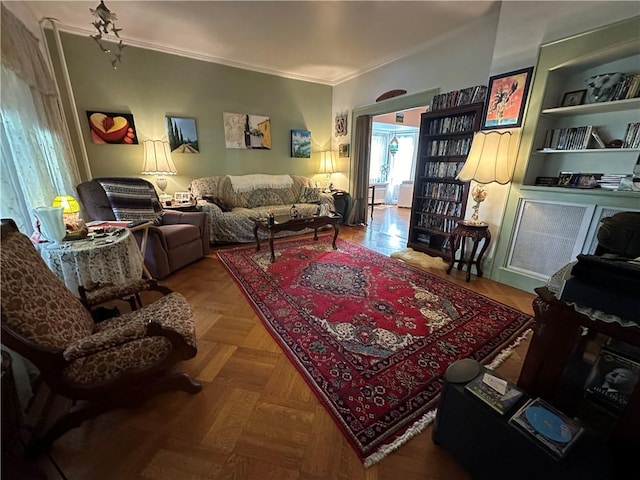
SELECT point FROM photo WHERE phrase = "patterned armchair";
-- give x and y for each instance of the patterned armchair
(119, 362)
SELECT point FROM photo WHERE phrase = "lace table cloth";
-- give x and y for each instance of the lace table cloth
(114, 259)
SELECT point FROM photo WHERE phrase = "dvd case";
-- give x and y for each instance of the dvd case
(499, 402)
(547, 427)
(613, 378)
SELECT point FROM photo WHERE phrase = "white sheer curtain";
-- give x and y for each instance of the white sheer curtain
(36, 160)
(378, 158)
(402, 165)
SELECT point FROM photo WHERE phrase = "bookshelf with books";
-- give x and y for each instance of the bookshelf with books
(596, 131)
(439, 199)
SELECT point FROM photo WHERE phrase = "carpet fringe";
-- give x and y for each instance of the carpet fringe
(506, 353)
(415, 429)
(420, 425)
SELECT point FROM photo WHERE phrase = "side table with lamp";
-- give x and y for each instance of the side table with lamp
(491, 159)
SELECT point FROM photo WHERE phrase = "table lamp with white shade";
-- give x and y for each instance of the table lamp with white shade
(328, 165)
(157, 161)
(492, 158)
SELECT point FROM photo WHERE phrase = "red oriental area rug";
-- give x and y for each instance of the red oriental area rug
(371, 335)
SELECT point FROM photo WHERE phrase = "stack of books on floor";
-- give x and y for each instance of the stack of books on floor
(610, 181)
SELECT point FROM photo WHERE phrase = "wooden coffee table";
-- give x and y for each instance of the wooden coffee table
(283, 223)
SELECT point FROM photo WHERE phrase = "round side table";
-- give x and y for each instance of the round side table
(477, 232)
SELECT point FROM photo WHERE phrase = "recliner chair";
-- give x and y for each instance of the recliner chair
(178, 239)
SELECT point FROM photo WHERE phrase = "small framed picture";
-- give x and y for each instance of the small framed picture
(182, 197)
(506, 99)
(571, 99)
(343, 150)
(341, 124)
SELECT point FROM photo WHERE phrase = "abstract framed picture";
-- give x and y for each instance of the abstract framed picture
(183, 136)
(246, 131)
(506, 99)
(341, 124)
(113, 128)
(300, 143)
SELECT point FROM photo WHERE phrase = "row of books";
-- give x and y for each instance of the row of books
(572, 138)
(442, 169)
(611, 181)
(454, 124)
(441, 148)
(442, 207)
(443, 191)
(629, 87)
(458, 98)
(446, 225)
(632, 136)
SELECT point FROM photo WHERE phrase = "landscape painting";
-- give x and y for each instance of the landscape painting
(301, 143)
(246, 131)
(183, 137)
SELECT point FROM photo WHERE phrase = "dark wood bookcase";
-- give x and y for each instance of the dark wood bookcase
(439, 200)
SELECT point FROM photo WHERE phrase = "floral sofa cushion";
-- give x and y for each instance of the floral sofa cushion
(236, 225)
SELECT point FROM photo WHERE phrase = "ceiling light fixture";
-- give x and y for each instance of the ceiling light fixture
(105, 25)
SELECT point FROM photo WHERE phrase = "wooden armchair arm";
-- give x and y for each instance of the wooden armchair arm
(178, 342)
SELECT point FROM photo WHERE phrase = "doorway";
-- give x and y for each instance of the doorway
(361, 143)
(392, 160)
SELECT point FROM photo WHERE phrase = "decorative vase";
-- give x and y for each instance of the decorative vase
(601, 87)
(52, 225)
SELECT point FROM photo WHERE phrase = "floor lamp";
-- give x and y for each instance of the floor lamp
(492, 158)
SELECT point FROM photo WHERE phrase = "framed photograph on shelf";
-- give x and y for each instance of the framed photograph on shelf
(571, 99)
(547, 427)
(506, 99)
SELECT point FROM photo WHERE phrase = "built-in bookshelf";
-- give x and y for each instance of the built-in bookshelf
(439, 201)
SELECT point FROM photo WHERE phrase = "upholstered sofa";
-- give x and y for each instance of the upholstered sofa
(233, 203)
(177, 239)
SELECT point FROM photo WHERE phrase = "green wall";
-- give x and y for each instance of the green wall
(151, 85)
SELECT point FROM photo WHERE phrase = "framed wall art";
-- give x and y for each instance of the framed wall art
(341, 124)
(183, 137)
(506, 99)
(246, 131)
(301, 143)
(343, 150)
(114, 128)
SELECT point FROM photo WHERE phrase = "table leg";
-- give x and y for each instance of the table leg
(273, 255)
(336, 229)
(255, 234)
(471, 257)
(485, 245)
(373, 199)
(463, 243)
(454, 249)
(143, 249)
(315, 233)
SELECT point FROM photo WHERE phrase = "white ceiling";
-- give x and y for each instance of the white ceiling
(320, 41)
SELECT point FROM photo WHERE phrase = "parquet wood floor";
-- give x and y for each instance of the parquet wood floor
(255, 418)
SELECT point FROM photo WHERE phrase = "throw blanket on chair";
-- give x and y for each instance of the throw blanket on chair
(132, 199)
(248, 183)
